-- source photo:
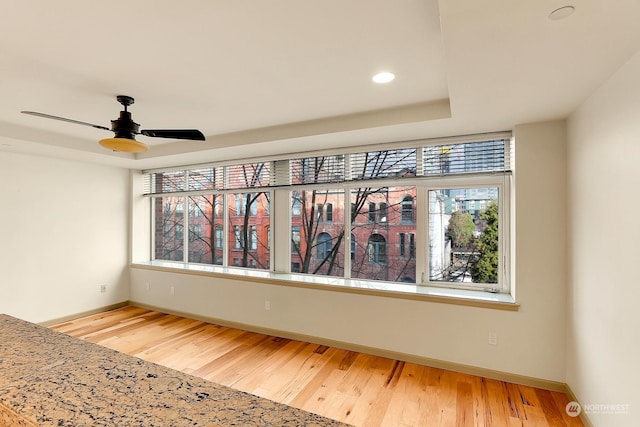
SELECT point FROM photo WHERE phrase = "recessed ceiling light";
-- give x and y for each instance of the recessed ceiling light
(384, 77)
(561, 13)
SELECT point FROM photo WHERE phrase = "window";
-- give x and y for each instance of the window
(318, 241)
(412, 245)
(195, 233)
(378, 260)
(251, 242)
(377, 249)
(324, 212)
(239, 205)
(295, 241)
(237, 237)
(323, 245)
(407, 209)
(254, 238)
(204, 244)
(253, 205)
(169, 224)
(438, 211)
(372, 212)
(219, 237)
(464, 245)
(382, 212)
(295, 204)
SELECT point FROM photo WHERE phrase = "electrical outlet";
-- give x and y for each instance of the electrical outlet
(147, 286)
(103, 289)
(173, 290)
(267, 305)
(493, 338)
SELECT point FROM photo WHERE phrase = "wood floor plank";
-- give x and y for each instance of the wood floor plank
(359, 389)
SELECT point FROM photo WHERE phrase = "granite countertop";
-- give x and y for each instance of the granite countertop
(51, 379)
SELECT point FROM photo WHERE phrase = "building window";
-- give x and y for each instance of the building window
(295, 240)
(407, 209)
(372, 212)
(377, 249)
(239, 204)
(219, 237)
(237, 234)
(412, 245)
(382, 212)
(328, 212)
(195, 233)
(253, 238)
(323, 246)
(295, 204)
(253, 205)
(402, 244)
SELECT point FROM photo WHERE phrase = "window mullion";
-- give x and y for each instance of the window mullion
(347, 232)
(422, 235)
(225, 230)
(185, 229)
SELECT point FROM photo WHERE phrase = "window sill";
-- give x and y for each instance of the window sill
(386, 289)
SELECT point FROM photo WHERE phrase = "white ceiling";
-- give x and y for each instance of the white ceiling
(269, 77)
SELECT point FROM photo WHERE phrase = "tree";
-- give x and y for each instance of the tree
(485, 269)
(460, 229)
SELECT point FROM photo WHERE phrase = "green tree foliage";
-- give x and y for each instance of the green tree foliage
(485, 270)
(461, 228)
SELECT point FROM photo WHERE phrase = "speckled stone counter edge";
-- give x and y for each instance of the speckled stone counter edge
(51, 379)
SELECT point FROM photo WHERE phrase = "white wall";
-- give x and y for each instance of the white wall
(530, 342)
(604, 292)
(63, 234)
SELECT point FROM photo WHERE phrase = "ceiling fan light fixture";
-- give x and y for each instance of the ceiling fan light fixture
(124, 145)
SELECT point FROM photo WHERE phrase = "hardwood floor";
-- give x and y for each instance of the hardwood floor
(355, 388)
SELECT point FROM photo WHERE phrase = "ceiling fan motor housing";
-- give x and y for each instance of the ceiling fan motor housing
(124, 126)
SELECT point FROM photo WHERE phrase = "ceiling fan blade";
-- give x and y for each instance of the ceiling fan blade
(63, 119)
(193, 134)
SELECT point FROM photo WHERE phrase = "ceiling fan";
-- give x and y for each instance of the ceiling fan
(125, 130)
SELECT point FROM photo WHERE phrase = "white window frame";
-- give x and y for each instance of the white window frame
(280, 257)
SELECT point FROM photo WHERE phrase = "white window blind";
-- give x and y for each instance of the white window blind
(317, 170)
(384, 164)
(451, 158)
(472, 157)
(250, 175)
